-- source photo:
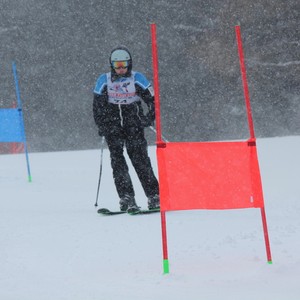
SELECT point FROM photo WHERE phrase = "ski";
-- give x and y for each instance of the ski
(107, 212)
(144, 212)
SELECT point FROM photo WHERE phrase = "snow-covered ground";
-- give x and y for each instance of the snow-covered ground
(54, 246)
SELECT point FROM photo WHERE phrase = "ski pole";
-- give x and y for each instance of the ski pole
(154, 130)
(100, 173)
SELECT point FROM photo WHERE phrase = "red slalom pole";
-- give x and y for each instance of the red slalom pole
(266, 235)
(164, 241)
(244, 79)
(251, 129)
(159, 141)
(156, 84)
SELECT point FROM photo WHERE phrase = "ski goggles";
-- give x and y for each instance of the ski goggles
(119, 64)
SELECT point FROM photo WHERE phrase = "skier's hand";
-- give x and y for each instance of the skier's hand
(146, 121)
(101, 131)
(151, 113)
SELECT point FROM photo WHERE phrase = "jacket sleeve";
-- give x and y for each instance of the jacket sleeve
(145, 91)
(99, 110)
(148, 97)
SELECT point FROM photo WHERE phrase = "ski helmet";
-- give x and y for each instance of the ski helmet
(121, 53)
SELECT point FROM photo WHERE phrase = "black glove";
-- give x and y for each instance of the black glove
(146, 121)
(151, 113)
(101, 131)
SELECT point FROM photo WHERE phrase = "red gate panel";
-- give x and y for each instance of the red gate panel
(209, 175)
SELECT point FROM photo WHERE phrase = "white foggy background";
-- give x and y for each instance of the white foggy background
(61, 47)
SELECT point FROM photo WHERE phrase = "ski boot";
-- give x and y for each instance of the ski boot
(153, 203)
(127, 203)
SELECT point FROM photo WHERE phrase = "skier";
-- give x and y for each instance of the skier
(119, 115)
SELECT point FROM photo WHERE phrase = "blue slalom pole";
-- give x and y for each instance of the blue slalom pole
(21, 118)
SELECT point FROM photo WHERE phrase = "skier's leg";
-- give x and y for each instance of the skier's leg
(119, 166)
(136, 146)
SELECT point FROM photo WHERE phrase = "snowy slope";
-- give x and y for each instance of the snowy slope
(53, 244)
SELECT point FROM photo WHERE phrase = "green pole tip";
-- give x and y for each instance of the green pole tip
(29, 179)
(270, 262)
(166, 266)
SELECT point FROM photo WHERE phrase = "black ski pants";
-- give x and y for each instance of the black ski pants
(136, 145)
